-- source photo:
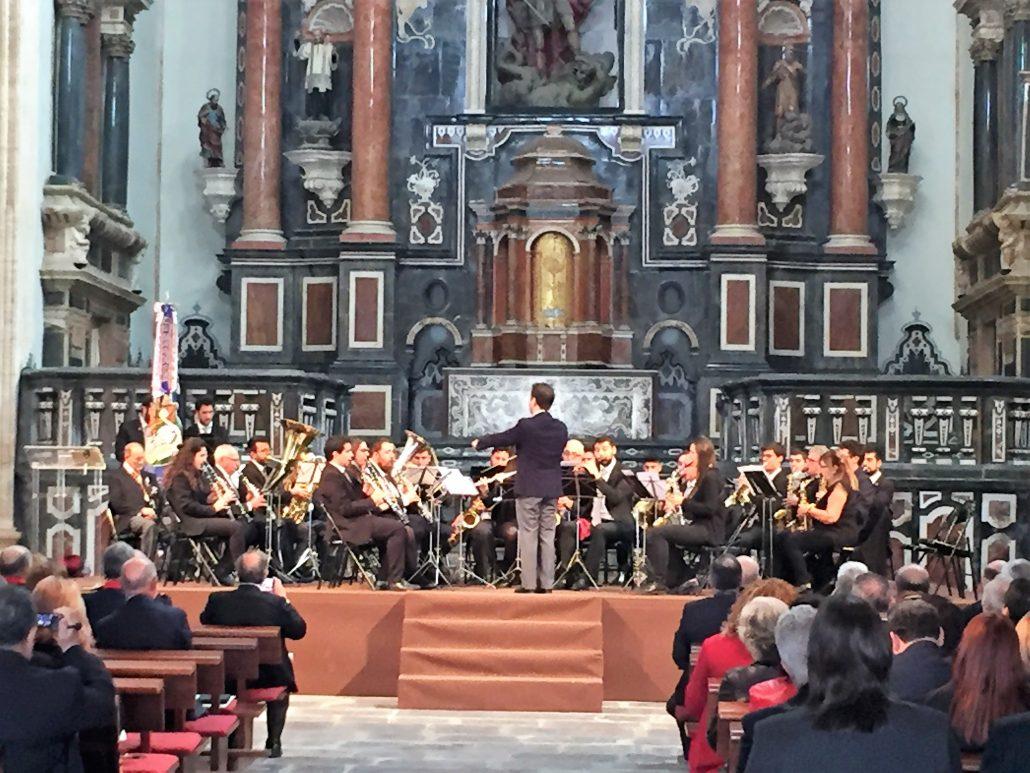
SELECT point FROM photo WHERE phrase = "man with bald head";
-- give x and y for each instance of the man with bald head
(14, 564)
(144, 622)
(134, 499)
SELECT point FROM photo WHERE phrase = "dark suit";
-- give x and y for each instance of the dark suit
(618, 500)
(539, 441)
(144, 623)
(1007, 745)
(705, 517)
(125, 499)
(131, 431)
(102, 602)
(751, 719)
(914, 738)
(916, 672)
(355, 517)
(43, 709)
(216, 437)
(873, 544)
(198, 518)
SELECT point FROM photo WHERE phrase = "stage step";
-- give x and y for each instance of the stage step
(484, 652)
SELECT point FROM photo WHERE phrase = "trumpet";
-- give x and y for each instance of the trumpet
(218, 484)
(384, 487)
(467, 519)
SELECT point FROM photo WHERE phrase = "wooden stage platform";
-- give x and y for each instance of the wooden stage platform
(480, 648)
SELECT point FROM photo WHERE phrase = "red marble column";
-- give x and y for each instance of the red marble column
(849, 185)
(262, 128)
(370, 122)
(737, 124)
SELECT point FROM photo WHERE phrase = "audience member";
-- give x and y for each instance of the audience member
(993, 597)
(911, 578)
(104, 600)
(53, 593)
(1023, 632)
(749, 570)
(1007, 744)
(143, 622)
(1017, 599)
(920, 665)
(847, 574)
(39, 567)
(913, 581)
(848, 716)
(43, 709)
(249, 605)
(875, 591)
(777, 696)
(987, 680)
(14, 564)
(992, 570)
(1017, 568)
(720, 653)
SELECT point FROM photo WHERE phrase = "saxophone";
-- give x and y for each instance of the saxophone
(468, 519)
(672, 515)
(796, 483)
(804, 522)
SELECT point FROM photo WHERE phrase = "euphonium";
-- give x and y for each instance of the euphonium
(468, 519)
(298, 437)
(306, 476)
(377, 480)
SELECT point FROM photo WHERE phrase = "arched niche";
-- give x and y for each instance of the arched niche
(782, 23)
(553, 253)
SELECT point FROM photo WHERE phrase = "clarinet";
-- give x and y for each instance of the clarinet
(237, 510)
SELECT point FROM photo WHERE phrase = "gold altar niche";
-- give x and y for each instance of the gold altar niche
(552, 263)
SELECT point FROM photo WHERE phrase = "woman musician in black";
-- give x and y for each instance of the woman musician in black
(834, 522)
(694, 516)
(201, 511)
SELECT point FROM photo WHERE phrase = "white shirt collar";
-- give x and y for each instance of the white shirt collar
(875, 477)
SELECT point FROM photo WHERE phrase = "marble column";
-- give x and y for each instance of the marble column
(984, 52)
(370, 121)
(737, 124)
(849, 184)
(262, 128)
(115, 170)
(1017, 43)
(70, 88)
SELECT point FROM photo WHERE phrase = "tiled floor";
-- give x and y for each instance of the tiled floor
(353, 735)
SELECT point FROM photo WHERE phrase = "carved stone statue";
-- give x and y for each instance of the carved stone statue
(322, 60)
(901, 132)
(211, 120)
(793, 128)
(542, 64)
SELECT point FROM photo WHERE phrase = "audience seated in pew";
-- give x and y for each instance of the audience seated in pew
(848, 716)
(144, 622)
(988, 680)
(848, 572)
(14, 564)
(109, 597)
(1017, 599)
(875, 591)
(912, 580)
(250, 606)
(720, 653)
(43, 709)
(781, 695)
(920, 664)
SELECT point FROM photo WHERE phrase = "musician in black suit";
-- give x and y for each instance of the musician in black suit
(144, 622)
(355, 511)
(108, 597)
(249, 605)
(43, 709)
(574, 506)
(539, 441)
(201, 511)
(611, 514)
(204, 426)
(771, 458)
(873, 544)
(701, 502)
(416, 527)
(134, 498)
(132, 429)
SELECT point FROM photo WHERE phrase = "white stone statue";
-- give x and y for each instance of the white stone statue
(322, 60)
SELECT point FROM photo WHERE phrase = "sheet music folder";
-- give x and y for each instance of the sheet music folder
(759, 482)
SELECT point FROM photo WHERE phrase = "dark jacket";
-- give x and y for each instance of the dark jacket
(917, 671)
(1007, 745)
(216, 437)
(43, 709)
(342, 497)
(749, 721)
(736, 683)
(189, 502)
(914, 738)
(102, 602)
(705, 506)
(618, 494)
(700, 619)
(247, 606)
(539, 441)
(125, 497)
(144, 623)
(941, 698)
(131, 431)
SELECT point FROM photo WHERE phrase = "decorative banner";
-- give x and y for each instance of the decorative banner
(164, 379)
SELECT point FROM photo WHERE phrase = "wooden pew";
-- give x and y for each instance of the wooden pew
(971, 762)
(730, 714)
(180, 683)
(240, 655)
(210, 664)
(142, 704)
(270, 643)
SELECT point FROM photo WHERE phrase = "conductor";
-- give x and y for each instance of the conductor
(538, 442)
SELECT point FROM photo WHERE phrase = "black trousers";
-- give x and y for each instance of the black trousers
(239, 533)
(621, 532)
(390, 536)
(566, 542)
(818, 542)
(751, 539)
(664, 550)
(276, 718)
(417, 542)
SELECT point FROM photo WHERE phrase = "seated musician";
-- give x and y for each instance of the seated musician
(834, 523)
(573, 509)
(134, 499)
(771, 459)
(611, 514)
(699, 499)
(497, 521)
(201, 511)
(355, 510)
(383, 456)
(798, 461)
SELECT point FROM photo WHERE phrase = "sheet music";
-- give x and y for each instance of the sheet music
(652, 481)
(457, 484)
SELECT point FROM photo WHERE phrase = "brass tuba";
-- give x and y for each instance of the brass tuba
(305, 477)
(298, 438)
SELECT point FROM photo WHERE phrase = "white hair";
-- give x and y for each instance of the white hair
(1017, 568)
(993, 596)
(225, 451)
(756, 627)
(847, 574)
(792, 632)
(749, 570)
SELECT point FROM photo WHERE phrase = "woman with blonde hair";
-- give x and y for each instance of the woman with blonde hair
(59, 595)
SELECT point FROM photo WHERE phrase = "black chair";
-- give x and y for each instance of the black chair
(949, 548)
(350, 562)
(195, 559)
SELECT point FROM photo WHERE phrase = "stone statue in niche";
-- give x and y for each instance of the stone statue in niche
(542, 64)
(321, 59)
(793, 128)
(901, 132)
(211, 120)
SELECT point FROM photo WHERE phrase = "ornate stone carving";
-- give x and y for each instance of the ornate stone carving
(118, 45)
(1017, 10)
(984, 49)
(680, 217)
(424, 214)
(917, 353)
(699, 24)
(1012, 218)
(218, 187)
(334, 17)
(411, 25)
(197, 347)
(322, 167)
(785, 175)
(83, 10)
(896, 195)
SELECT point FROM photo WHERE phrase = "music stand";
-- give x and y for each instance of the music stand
(647, 486)
(760, 485)
(949, 548)
(430, 478)
(578, 484)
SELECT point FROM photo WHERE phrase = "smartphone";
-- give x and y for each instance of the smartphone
(48, 620)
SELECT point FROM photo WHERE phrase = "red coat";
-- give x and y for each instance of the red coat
(718, 655)
(771, 692)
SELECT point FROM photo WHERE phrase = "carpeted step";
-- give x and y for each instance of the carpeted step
(479, 605)
(433, 661)
(499, 693)
(500, 634)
